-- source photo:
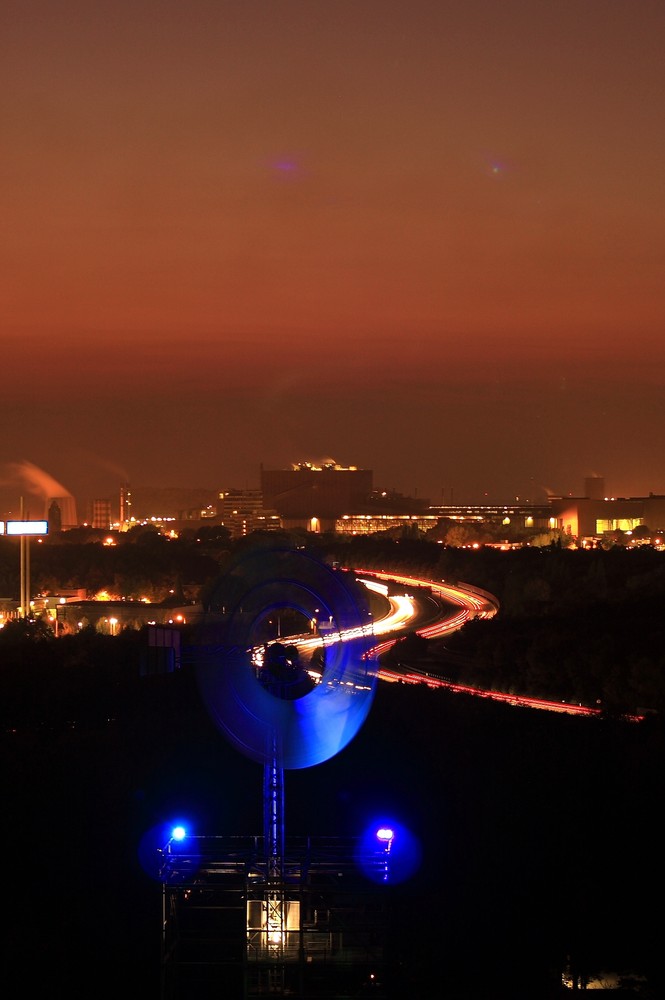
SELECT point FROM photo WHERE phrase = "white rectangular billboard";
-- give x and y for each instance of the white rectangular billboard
(26, 527)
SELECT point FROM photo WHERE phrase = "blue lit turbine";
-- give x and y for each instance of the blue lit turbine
(310, 729)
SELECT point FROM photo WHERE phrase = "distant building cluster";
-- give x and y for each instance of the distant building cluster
(328, 497)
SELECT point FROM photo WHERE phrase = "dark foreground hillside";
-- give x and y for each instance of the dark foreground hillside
(541, 835)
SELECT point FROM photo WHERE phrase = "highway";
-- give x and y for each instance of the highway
(456, 606)
(432, 609)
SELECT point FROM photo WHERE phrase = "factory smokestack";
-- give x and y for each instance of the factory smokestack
(46, 490)
(125, 505)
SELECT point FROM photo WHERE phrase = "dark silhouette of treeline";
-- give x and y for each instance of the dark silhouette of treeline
(141, 562)
(541, 833)
(579, 625)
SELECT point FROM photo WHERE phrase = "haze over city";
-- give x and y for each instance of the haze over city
(425, 239)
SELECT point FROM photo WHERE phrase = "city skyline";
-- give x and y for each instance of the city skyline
(27, 491)
(425, 240)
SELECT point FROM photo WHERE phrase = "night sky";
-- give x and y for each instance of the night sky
(423, 238)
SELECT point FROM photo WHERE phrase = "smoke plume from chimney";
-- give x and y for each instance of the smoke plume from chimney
(34, 481)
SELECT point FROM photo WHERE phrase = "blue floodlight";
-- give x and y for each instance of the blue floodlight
(162, 843)
(386, 835)
(388, 853)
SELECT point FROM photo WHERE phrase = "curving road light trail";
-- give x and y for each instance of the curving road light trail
(466, 604)
(458, 604)
(402, 612)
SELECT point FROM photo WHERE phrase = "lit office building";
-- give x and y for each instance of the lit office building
(242, 511)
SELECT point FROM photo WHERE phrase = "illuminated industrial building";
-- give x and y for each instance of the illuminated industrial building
(343, 500)
(595, 514)
(331, 497)
(538, 516)
(101, 514)
(315, 496)
(368, 524)
(243, 511)
(585, 517)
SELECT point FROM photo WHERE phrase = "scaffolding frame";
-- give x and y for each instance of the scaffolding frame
(317, 930)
